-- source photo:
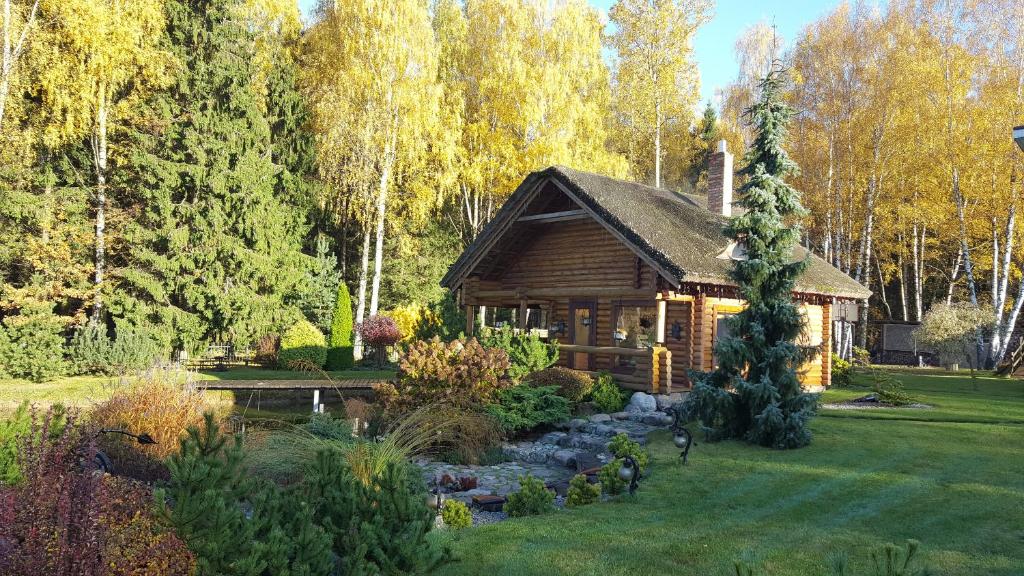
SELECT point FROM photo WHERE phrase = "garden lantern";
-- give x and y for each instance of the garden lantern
(1018, 136)
(630, 472)
(682, 438)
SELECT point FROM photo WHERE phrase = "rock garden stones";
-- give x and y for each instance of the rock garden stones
(641, 402)
(596, 418)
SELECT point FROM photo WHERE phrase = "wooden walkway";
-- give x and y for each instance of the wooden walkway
(346, 384)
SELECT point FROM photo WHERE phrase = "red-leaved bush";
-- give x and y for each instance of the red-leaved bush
(380, 332)
(66, 518)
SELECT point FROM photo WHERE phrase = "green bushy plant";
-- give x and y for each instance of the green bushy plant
(523, 407)
(340, 353)
(581, 492)
(32, 344)
(621, 446)
(14, 429)
(460, 372)
(378, 524)
(328, 427)
(889, 390)
(531, 499)
(527, 353)
(234, 523)
(842, 372)
(456, 515)
(606, 394)
(444, 319)
(302, 343)
(609, 479)
(93, 352)
(574, 385)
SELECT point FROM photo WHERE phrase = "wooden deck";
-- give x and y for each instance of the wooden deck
(346, 384)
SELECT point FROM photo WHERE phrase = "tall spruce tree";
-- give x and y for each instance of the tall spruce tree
(755, 393)
(216, 247)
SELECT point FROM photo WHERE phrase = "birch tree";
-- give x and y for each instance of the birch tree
(656, 77)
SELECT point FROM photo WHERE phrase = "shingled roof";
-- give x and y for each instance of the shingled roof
(681, 237)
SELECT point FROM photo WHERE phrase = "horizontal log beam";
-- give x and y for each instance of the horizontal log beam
(605, 350)
(562, 216)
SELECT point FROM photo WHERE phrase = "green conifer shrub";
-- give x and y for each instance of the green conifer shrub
(606, 395)
(234, 523)
(378, 526)
(581, 492)
(92, 352)
(755, 392)
(609, 479)
(575, 385)
(460, 373)
(302, 343)
(456, 515)
(524, 407)
(621, 446)
(532, 498)
(32, 344)
(339, 355)
(527, 353)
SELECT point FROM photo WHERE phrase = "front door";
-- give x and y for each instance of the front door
(583, 331)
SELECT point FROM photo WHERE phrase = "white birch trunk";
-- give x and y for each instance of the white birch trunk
(364, 268)
(12, 51)
(99, 149)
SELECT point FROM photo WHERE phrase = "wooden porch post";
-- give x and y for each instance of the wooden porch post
(662, 307)
(470, 320)
(524, 312)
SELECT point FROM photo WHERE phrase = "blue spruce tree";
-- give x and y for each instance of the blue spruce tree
(755, 393)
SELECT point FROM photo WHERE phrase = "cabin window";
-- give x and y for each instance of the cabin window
(635, 326)
(501, 317)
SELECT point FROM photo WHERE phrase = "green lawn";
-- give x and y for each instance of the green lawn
(952, 477)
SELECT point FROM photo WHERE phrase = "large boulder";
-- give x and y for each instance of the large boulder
(641, 402)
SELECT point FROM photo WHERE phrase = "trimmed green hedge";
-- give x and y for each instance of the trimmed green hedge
(303, 342)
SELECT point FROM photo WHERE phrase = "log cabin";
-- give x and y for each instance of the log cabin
(628, 278)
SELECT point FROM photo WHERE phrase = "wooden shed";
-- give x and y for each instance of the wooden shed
(627, 278)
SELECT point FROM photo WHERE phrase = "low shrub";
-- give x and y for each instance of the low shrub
(456, 515)
(303, 343)
(609, 479)
(266, 350)
(842, 372)
(458, 373)
(443, 318)
(890, 391)
(379, 526)
(606, 395)
(93, 352)
(581, 492)
(65, 519)
(230, 519)
(154, 404)
(573, 385)
(328, 427)
(527, 353)
(32, 344)
(531, 499)
(523, 407)
(12, 433)
(621, 446)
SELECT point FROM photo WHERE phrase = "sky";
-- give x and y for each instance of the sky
(713, 46)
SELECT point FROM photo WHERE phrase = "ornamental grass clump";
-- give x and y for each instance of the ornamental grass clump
(157, 404)
(755, 393)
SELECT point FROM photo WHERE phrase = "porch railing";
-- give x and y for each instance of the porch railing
(650, 371)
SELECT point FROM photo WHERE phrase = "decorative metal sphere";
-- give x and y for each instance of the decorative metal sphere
(625, 472)
(680, 440)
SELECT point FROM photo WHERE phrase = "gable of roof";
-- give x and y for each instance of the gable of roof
(679, 238)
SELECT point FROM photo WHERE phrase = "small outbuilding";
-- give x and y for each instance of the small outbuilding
(628, 278)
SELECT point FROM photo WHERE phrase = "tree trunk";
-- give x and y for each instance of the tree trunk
(364, 268)
(382, 206)
(1002, 330)
(99, 146)
(657, 143)
(12, 52)
(953, 276)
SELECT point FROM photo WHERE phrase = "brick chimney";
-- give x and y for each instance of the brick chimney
(720, 181)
